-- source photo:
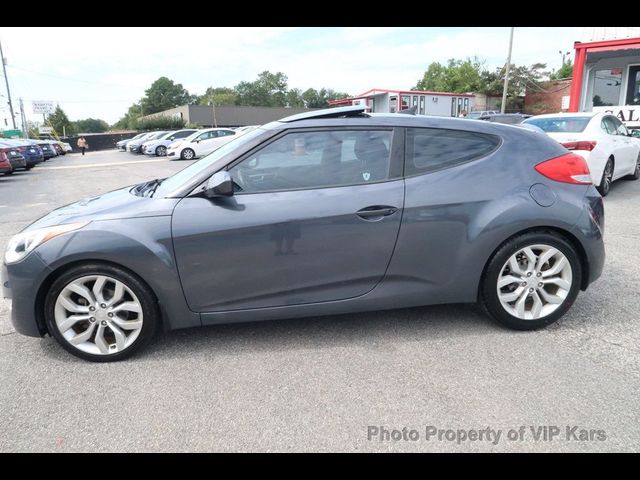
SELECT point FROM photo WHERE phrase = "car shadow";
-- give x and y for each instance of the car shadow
(369, 330)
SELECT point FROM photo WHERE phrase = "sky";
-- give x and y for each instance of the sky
(99, 72)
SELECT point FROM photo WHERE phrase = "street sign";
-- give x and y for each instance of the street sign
(45, 130)
(43, 106)
(10, 133)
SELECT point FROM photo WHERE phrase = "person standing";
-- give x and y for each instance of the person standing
(82, 144)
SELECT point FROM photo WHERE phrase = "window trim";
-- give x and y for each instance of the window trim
(419, 174)
(396, 156)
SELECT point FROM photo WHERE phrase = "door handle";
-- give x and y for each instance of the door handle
(376, 211)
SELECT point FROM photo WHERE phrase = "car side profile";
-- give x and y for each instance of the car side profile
(158, 146)
(327, 212)
(200, 143)
(609, 149)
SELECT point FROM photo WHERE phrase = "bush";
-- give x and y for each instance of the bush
(159, 123)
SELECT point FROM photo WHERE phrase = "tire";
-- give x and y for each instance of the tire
(141, 305)
(9, 173)
(161, 151)
(562, 298)
(636, 173)
(28, 168)
(187, 154)
(607, 179)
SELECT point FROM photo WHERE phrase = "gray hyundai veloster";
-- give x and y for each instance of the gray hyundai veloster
(327, 212)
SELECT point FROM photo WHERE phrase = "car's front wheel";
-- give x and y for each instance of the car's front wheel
(187, 154)
(161, 151)
(100, 313)
(531, 281)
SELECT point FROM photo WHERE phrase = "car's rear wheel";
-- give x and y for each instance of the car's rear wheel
(636, 173)
(607, 178)
(187, 154)
(161, 151)
(531, 281)
(100, 313)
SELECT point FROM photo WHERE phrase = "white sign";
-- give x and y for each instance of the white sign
(45, 130)
(43, 106)
(628, 114)
(565, 102)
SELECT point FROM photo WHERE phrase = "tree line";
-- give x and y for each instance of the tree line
(272, 90)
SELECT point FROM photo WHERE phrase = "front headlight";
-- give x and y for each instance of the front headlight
(24, 243)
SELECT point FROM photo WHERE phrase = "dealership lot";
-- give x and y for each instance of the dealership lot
(329, 383)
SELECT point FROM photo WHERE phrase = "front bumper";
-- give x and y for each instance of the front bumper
(20, 282)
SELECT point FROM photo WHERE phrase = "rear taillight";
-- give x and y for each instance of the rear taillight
(587, 145)
(569, 168)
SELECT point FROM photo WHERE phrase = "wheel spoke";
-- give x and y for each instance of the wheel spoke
(71, 321)
(559, 281)
(118, 293)
(121, 338)
(127, 307)
(545, 257)
(82, 291)
(521, 303)
(514, 266)
(97, 288)
(511, 296)
(100, 341)
(536, 308)
(556, 268)
(531, 257)
(508, 280)
(549, 298)
(72, 306)
(83, 336)
(127, 324)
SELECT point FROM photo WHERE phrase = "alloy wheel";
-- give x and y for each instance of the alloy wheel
(98, 314)
(534, 282)
(187, 154)
(161, 151)
(607, 177)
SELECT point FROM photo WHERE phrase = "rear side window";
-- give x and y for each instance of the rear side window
(431, 149)
(561, 124)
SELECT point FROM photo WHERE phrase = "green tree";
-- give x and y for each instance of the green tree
(320, 98)
(294, 98)
(218, 96)
(269, 90)
(457, 76)
(91, 125)
(60, 122)
(164, 94)
(565, 71)
(128, 121)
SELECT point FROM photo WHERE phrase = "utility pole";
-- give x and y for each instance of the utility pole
(23, 120)
(506, 74)
(215, 121)
(6, 81)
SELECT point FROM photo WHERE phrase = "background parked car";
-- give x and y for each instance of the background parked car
(27, 148)
(476, 115)
(135, 146)
(5, 164)
(15, 158)
(122, 144)
(601, 139)
(48, 151)
(158, 146)
(200, 143)
(507, 118)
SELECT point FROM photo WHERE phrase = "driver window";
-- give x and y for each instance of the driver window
(308, 160)
(620, 128)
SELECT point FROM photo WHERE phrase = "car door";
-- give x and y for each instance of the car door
(314, 218)
(629, 147)
(619, 148)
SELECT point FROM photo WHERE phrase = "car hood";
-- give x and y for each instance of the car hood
(118, 204)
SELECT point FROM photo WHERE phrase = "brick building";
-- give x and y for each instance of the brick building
(548, 98)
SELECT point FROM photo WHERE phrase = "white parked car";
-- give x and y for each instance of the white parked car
(600, 138)
(200, 143)
(158, 146)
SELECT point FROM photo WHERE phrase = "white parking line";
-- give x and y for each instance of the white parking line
(104, 164)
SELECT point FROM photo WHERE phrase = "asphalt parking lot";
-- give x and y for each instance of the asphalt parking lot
(321, 383)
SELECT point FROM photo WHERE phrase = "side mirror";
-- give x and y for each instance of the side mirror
(219, 185)
(635, 133)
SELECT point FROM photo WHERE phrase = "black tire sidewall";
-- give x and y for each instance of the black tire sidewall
(489, 294)
(602, 187)
(149, 309)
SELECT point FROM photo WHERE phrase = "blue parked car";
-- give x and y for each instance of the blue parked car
(29, 149)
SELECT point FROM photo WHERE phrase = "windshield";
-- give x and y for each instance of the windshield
(560, 124)
(183, 176)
